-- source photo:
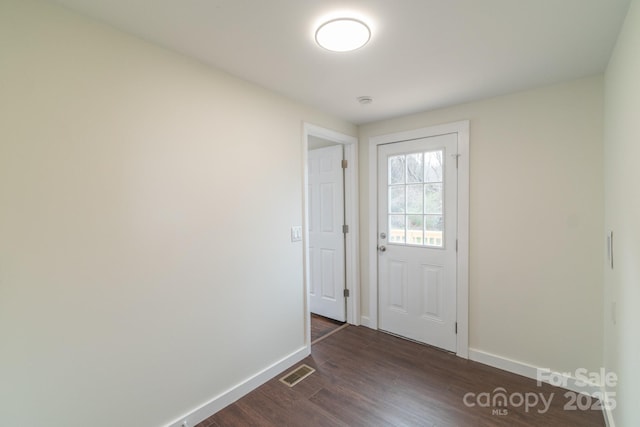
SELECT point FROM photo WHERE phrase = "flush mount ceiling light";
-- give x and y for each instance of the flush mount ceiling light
(343, 34)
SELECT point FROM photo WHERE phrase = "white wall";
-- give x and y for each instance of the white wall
(138, 278)
(622, 215)
(535, 221)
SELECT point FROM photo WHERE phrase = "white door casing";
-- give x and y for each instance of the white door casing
(326, 238)
(417, 197)
(460, 128)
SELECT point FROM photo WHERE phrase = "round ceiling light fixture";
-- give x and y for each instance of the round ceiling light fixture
(343, 34)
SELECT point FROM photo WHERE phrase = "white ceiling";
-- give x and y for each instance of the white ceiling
(424, 54)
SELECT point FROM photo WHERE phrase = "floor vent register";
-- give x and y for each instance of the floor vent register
(297, 375)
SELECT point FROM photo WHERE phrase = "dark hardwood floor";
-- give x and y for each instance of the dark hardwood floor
(369, 378)
(321, 326)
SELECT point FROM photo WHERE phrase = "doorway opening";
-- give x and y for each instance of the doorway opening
(330, 226)
(323, 327)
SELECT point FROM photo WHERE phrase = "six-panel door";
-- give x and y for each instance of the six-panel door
(326, 239)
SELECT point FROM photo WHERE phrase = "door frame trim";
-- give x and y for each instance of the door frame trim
(462, 295)
(350, 144)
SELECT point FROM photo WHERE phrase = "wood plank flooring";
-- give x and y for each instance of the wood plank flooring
(321, 326)
(369, 378)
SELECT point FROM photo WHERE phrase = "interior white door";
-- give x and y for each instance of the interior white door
(326, 238)
(417, 232)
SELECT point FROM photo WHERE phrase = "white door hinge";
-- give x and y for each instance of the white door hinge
(344, 164)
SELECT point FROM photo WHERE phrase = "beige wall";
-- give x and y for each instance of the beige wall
(535, 221)
(622, 215)
(145, 211)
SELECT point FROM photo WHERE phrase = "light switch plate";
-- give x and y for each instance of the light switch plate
(296, 233)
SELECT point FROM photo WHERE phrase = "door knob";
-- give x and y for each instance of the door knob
(382, 248)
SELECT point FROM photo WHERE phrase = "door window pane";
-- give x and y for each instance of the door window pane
(415, 231)
(433, 166)
(415, 168)
(415, 196)
(433, 230)
(396, 169)
(396, 199)
(433, 198)
(396, 228)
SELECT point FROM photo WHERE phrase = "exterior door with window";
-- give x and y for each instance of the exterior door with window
(417, 214)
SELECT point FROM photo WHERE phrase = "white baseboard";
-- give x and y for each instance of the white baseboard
(607, 411)
(530, 371)
(228, 397)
